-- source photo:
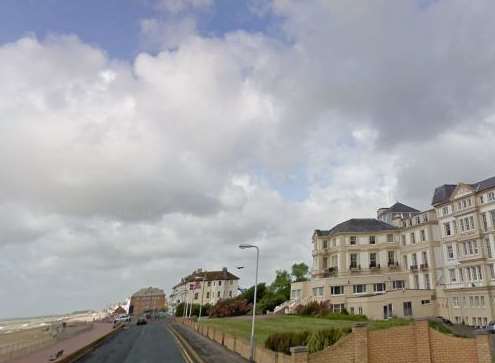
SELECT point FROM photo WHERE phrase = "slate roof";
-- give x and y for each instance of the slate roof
(399, 207)
(149, 291)
(443, 192)
(209, 276)
(357, 225)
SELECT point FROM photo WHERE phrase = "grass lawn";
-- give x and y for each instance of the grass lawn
(287, 323)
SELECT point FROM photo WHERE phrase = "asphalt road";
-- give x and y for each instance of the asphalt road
(151, 343)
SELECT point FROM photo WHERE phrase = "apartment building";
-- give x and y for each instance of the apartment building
(466, 218)
(205, 287)
(411, 263)
(149, 299)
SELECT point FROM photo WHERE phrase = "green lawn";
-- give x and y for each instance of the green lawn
(267, 326)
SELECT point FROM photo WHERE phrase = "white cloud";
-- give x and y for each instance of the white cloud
(117, 175)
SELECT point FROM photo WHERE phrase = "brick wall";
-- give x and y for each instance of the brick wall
(415, 343)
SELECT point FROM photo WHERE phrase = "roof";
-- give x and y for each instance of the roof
(358, 225)
(208, 276)
(399, 207)
(443, 192)
(148, 291)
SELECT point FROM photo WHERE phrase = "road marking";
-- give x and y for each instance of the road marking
(185, 347)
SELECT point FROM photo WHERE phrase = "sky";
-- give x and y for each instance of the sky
(142, 139)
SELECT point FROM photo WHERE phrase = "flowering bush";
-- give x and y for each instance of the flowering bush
(230, 307)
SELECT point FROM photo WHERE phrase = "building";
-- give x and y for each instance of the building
(466, 219)
(205, 286)
(409, 263)
(149, 299)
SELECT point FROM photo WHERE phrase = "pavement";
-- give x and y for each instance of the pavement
(151, 343)
(208, 350)
(69, 345)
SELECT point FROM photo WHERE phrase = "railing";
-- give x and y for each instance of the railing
(423, 266)
(355, 268)
(413, 268)
(374, 266)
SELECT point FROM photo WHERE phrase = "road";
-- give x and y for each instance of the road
(151, 343)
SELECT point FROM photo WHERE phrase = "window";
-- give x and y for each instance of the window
(450, 252)
(414, 259)
(219, 283)
(325, 243)
(461, 223)
(359, 289)
(325, 262)
(416, 281)
(452, 275)
(492, 217)
(404, 258)
(484, 222)
(407, 308)
(390, 237)
(425, 302)
(353, 240)
(446, 227)
(372, 240)
(482, 300)
(445, 211)
(398, 284)
(492, 271)
(413, 238)
(360, 310)
(425, 258)
(491, 196)
(427, 281)
(353, 260)
(208, 295)
(372, 259)
(379, 287)
(423, 235)
(196, 295)
(218, 294)
(391, 257)
(480, 276)
(337, 290)
(477, 301)
(481, 199)
(471, 222)
(209, 283)
(403, 239)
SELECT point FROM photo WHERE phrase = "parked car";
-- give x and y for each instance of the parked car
(141, 321)
(122, 318)
(490, 327)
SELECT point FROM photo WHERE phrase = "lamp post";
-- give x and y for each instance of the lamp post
(244, 246)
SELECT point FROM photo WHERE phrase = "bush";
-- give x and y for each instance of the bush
(313, 308)
(205, 310)
(321, 339)
(282, 342)
(230, 307)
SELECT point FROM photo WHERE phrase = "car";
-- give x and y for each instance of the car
(490, 327)
(141, 321)
(122, 318)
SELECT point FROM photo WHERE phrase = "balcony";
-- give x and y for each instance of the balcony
(374, 267)
(355, 268)
(393, 266)
(332, 271)
(423, 267)
(413, 268)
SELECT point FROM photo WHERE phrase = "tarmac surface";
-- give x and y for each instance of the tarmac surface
(151, 343)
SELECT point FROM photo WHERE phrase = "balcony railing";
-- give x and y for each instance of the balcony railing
(374, 266)
(393, 265)
(355, 268)
(423, 267)
(332, 271)
(413, 268)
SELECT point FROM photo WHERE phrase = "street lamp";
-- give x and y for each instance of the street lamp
(244, 246)
(202, 293)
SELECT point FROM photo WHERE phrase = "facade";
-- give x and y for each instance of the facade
(411, 263)
(205, 287)
(149, 299)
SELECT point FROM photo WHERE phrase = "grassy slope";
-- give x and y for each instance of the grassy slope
(266, 327)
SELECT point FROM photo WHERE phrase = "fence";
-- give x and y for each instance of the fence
(415, 343)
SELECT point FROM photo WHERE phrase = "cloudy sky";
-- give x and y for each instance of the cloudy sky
(142, 139)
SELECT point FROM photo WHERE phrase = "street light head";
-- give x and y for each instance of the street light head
(243, 246)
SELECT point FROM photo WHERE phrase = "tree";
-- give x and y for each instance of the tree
(249, 293)
(300, 272)
(281, 285)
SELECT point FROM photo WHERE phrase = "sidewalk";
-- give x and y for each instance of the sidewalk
(69, 345)
(208, 350)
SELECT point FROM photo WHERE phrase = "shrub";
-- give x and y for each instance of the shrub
(230, 307)
(179, 310)
(281, 342)
(321, 339)
(313, 308)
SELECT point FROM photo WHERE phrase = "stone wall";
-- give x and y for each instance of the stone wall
(415, 343)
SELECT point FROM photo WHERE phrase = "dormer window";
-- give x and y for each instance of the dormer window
(372, 240)
(353, 240)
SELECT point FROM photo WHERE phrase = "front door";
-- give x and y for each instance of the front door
(387, 311)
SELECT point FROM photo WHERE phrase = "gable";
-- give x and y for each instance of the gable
(461, 190)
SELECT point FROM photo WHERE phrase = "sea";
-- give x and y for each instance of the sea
(16, 324)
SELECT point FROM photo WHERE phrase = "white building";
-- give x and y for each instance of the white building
(206, 287)
(442, 259)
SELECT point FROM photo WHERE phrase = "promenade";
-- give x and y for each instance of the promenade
(69, 345)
